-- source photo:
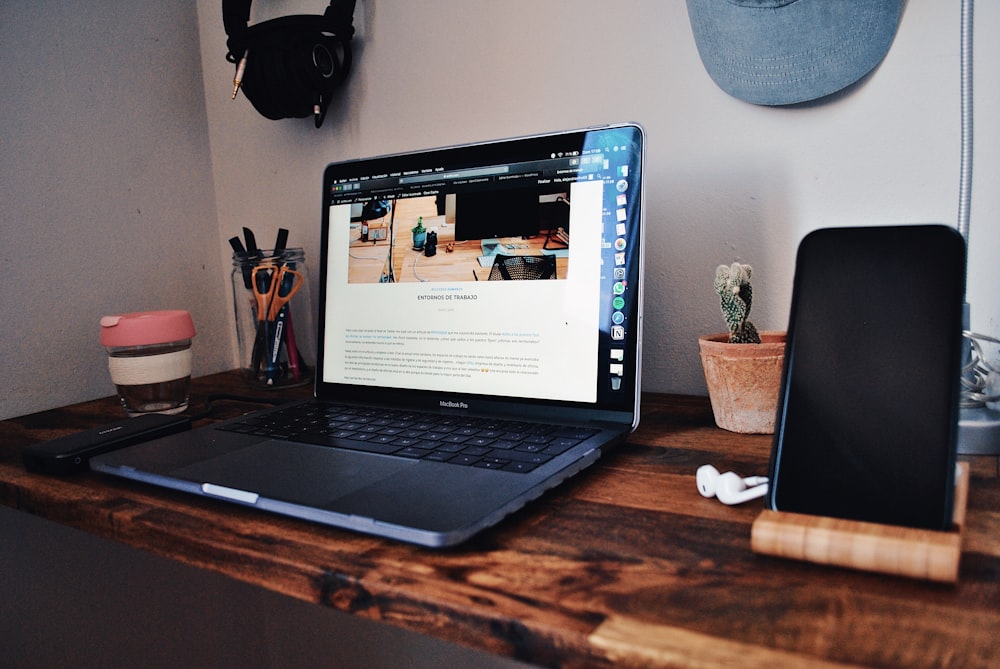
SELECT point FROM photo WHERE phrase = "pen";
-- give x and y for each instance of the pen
(260, 356)
(290, 348)
(252, 250)
(240, 69)
(274, 350)
(241, 253)
(287, 333)
(281, 241)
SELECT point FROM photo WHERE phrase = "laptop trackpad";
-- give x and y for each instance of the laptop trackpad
(298, 473)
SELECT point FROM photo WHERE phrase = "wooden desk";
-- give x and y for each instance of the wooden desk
(625, 566)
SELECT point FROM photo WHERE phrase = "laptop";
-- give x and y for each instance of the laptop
(460, 378)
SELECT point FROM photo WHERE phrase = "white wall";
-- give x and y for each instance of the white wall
(726, 180)
(106, 197)
(118, 194)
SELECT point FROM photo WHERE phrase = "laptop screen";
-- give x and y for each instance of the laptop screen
(500, 270)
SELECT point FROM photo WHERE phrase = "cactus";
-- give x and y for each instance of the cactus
(732, 283)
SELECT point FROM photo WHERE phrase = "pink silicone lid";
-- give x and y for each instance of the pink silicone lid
(146, 327)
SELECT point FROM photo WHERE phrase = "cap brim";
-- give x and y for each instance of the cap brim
(800, 51)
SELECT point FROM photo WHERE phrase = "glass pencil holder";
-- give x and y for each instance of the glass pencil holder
(273, 309)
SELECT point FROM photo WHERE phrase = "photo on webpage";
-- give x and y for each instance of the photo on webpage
(512, 234)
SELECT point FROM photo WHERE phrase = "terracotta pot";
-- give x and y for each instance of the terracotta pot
(744, 380)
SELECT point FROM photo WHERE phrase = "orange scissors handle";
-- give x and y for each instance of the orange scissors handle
(261, 279)
(284, 284)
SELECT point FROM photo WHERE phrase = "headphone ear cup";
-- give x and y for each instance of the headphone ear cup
(290, 71)
(330, 59)
(276, 80)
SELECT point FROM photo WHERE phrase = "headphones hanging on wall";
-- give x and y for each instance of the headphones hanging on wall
(288, 67)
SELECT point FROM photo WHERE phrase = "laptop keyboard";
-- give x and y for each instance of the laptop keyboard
(511, 446)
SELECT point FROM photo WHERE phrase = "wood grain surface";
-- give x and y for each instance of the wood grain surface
(626, 565)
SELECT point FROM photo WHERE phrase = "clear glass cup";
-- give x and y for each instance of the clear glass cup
(272, 308)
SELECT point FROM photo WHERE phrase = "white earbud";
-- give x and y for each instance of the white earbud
(729, 488)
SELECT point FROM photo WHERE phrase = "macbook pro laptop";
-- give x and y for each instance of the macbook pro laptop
(458, 376)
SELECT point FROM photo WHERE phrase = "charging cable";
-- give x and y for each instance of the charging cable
(222, 397)
(978, 424)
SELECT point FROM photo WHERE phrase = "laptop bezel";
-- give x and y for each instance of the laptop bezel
(501, 150)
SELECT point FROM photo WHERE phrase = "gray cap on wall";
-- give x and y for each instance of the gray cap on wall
(782, 52)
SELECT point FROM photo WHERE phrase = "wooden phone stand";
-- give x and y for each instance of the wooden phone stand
(888, 549)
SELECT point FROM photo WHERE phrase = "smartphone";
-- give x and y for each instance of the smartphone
(868, 411)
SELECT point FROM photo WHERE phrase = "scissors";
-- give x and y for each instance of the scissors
(273, 287)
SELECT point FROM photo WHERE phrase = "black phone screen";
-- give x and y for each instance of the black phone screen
(868, 413)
